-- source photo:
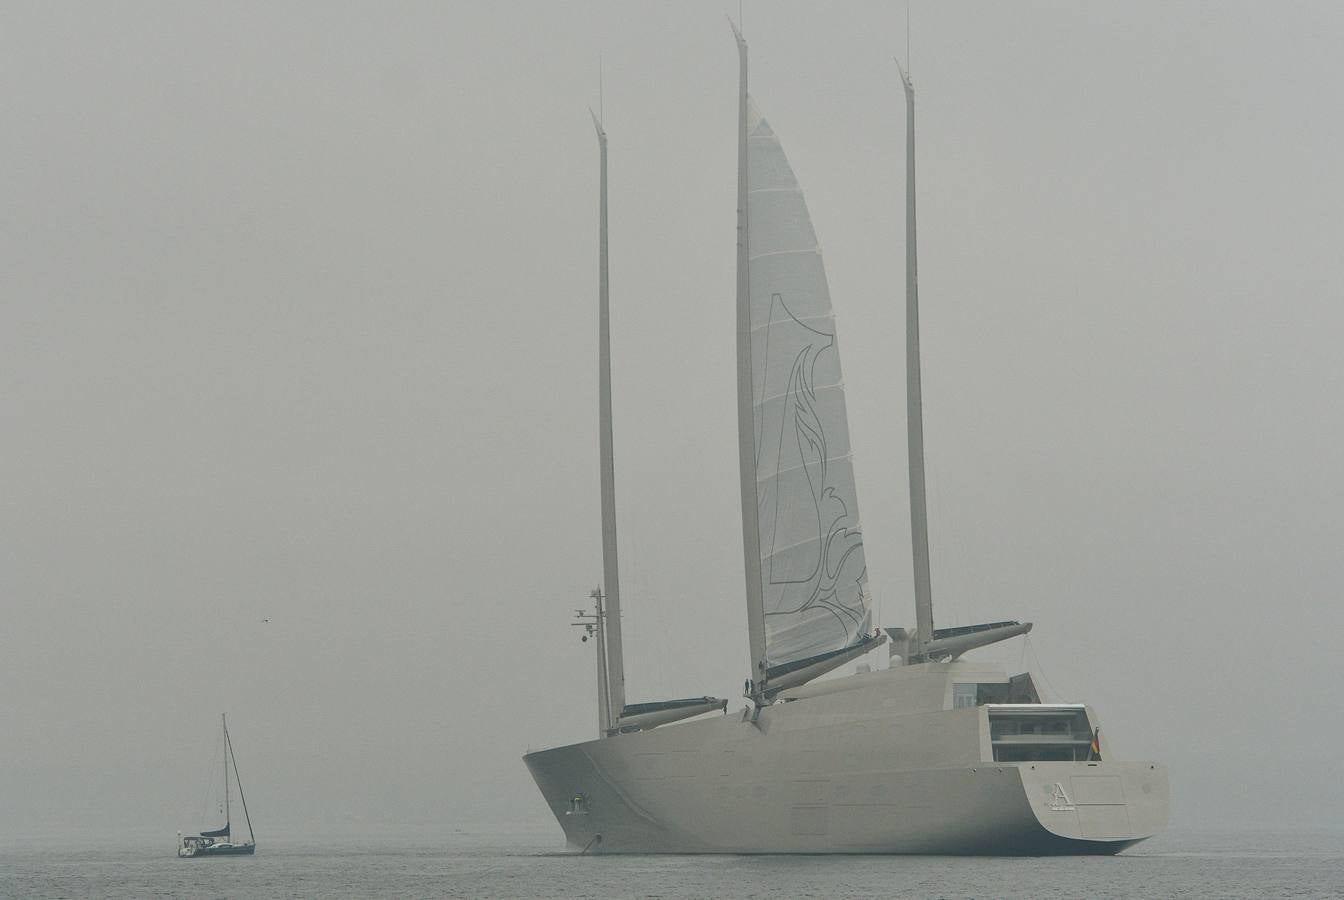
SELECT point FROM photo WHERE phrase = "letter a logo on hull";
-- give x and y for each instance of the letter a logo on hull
(1059, 799)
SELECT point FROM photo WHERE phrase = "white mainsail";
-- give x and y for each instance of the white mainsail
(807, 587)
(813, 574)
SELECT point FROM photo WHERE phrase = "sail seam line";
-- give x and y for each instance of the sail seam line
(816, 540)
(816, 249)
(829, 459)
(772, 398)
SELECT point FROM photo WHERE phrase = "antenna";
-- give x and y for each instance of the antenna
(600, 112)
(907, 33)
(594, 626)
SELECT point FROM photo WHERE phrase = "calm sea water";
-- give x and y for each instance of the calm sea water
(1307, 863)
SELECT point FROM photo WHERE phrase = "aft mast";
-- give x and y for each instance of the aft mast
(927, 643)
(914, 408)
(615, 660)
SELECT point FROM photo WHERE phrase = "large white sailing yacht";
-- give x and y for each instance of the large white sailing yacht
(934, 754)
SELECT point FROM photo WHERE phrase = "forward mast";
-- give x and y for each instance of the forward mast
(604, 623)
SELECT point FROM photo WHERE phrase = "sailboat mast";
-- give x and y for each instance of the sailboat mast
(604, 717)
(225, 722)
(746, 419)
(228, 747)
(615, 659)
(914, 410)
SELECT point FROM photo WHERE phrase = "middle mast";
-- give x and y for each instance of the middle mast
(808, 607)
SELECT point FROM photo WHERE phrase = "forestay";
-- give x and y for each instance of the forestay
(813, 574)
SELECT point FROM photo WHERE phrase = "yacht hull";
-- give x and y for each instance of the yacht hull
(826, 775)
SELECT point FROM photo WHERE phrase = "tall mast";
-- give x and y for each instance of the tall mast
(228, 746)
(914, 411)
(227, 818)
(746, 419)
(614, 660)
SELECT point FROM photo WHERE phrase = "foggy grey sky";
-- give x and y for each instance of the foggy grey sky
(297, 320)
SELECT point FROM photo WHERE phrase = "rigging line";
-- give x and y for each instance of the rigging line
(875, 599)
(228, 746)
(1089, 686)
(940, 552)
(214, 801)
(633, 591)
(1056, 696)
(203, 749)
(650, 602)
(205, 806)
(934, 531)
(630, 623)
(635, 584)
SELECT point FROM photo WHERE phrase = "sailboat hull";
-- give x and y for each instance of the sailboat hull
(840, 774)
(217, 850)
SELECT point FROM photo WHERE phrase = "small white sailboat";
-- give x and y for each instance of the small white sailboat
(219, 841)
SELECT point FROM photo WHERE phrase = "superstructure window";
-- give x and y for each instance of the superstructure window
(1030, 733)
(1018, 689)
